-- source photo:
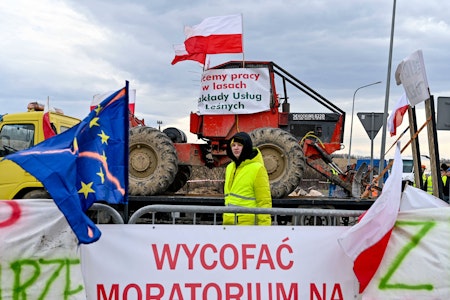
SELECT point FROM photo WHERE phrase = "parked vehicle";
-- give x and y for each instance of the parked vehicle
(408, 167)
(20, 131)
(161, 162)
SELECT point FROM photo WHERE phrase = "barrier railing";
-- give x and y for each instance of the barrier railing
(103, 214)
(211, 215)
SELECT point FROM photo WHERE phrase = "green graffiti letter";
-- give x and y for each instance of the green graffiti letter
(60, 264)
(414, 241)
(19, 288)
(21, 285)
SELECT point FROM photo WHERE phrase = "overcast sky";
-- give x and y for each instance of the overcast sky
(70, 50)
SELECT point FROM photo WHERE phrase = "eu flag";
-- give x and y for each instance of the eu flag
(85, 164)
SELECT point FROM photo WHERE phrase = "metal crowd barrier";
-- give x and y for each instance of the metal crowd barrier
(211, 215)
(104, 214)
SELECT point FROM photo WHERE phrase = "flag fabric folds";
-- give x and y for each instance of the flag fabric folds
(47, 126)
(412, 75)
(365, 243)
(98, 98)
(46, 123)
(181, 54)
(395, 119)
(414, 198)
(214, 35)
(85, 164)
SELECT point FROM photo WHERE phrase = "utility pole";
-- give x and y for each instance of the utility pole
(386, 100)
(351, 122)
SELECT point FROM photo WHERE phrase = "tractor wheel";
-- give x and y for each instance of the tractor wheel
(37, 194)
(184, 171)
(283, 159)
(175, 134)
(152, 162)
(314, 220)
(183, 175)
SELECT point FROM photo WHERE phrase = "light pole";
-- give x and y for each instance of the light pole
(351, 122)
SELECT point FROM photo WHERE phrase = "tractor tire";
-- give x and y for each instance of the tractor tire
(283, 158)
(184, 171)
(152, 161)
(37, 194)
(175, 134)
(183, 175)
(313, 220)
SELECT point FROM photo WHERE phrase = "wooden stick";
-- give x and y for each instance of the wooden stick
(367, 191)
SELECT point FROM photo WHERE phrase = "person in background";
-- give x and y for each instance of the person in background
(423, 168)
(427, 181)
(444, 168)
(332, 186)
(447, 184)
(246, 182)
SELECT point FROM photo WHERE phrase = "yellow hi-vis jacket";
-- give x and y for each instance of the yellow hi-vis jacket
(428, 184)
(247, 186)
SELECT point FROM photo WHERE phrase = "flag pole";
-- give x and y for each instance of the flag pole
(48, 109)
(126, 141)
(394, 143)
(376, 180)
(403, 149)
(386, 100)
(242, 40)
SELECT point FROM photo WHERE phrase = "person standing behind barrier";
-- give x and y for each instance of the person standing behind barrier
(332, 186)
(444, 179)
(427, 181)
(446, 185)
(246, 182)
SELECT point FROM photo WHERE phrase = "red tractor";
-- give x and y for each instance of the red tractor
(161, 162)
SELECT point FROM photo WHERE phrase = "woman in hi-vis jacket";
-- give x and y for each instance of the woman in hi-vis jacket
(246, 182)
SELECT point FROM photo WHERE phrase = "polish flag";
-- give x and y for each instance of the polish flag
(181, 54)
(215, 35)
(366, 242)
(396, 118)
(97, 99)
(46, 124)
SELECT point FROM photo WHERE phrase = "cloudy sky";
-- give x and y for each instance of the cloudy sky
(70, 50)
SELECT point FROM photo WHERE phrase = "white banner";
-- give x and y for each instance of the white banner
(39, 257)
(416, 264)
(215, 262)
(412, 75)
(234, 91)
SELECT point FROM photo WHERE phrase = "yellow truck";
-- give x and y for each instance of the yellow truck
(19, 131)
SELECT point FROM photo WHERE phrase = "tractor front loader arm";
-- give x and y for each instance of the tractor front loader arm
(350, 180)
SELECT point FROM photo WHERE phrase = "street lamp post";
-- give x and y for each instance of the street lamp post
(351, 122)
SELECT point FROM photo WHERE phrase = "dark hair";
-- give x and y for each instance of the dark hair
(247, 151)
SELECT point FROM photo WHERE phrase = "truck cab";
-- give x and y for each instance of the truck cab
(20, 131)
(408, 167)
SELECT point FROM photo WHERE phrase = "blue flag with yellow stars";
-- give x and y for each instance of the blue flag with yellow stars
(85, 164)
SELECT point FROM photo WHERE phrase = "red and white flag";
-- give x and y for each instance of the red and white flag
(46, 123)
(181, 54)
(365, 242)
(396, 117)
(215, 35)
(98, 98)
